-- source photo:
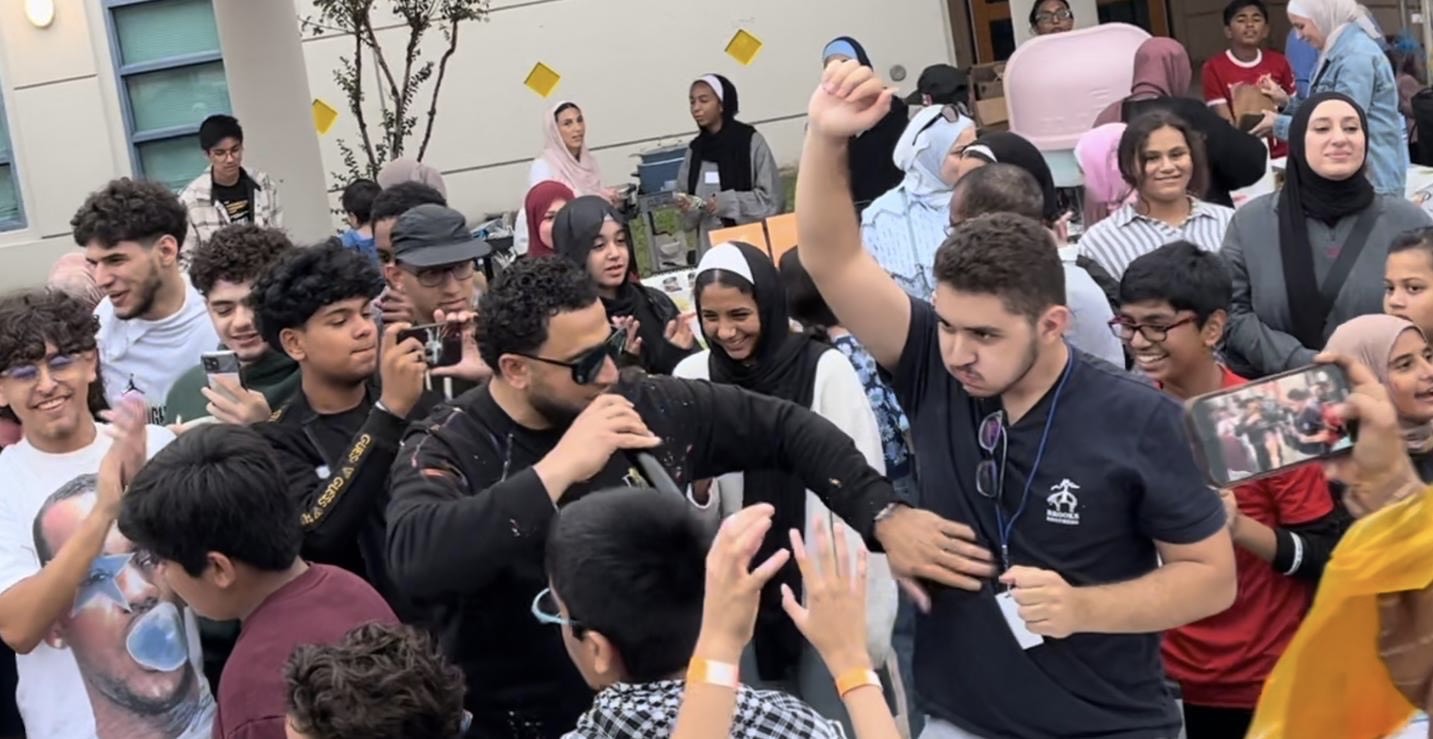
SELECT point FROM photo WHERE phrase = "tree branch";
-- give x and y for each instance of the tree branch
(371, 39)
(438, 86)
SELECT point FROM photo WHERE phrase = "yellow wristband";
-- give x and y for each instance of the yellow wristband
(853, 679)
(713, 673)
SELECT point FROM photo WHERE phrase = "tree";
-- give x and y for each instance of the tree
(398, 94)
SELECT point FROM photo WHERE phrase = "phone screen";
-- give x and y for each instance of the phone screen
(442, 343)
(1267, 426)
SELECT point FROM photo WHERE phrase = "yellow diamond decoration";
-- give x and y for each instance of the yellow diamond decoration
(743, 47)
(323, 116)
(542, 79)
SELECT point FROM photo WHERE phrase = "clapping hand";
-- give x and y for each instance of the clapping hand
(733, 588)
(128, 450)
(834, 617)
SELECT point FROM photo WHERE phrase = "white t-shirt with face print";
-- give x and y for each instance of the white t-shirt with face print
(127, 639)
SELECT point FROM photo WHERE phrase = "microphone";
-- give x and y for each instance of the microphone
(655, 474)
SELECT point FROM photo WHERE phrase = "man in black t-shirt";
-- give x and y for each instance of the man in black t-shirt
(1075, 475)
(226, 193)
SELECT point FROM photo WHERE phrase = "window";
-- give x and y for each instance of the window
(12, 216)
(171, 77)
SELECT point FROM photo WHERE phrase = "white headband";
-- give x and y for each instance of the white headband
(982, 151)
(716, 86)
(726, 256)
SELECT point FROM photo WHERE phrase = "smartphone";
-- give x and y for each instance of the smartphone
(1248, 121)
(442, 343)
(1265, 427)
(223, 364)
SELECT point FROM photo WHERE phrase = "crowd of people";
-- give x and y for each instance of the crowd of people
(927, 474)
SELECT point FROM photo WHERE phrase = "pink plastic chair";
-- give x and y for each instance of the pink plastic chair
(1055, 85)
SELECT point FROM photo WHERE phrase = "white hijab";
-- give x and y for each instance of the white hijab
(1332, 17)
(921, 153)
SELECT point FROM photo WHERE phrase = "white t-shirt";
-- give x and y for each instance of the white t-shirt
(149, 356)
(122, 603)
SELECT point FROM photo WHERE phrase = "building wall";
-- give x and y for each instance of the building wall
(629, 64)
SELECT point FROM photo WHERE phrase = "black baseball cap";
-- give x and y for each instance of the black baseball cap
(945, 85)
(432, 235)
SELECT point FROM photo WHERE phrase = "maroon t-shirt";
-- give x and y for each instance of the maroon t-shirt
(318, 607)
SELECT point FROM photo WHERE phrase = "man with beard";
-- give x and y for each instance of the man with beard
(224, 270)
(1077, 476)
(152, 322)
(71, 591)
(135, 644)
(476, 484)
(337, 438)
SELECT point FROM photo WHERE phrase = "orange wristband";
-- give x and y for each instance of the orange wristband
(713, 673)
(853, 679)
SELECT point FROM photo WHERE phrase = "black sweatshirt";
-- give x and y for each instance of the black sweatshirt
(468, 521)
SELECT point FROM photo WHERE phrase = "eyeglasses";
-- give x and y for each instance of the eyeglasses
(1050, 18)
(234, 153)
(1125, 329)
(435, 276)
(990, 473)
(586, 367)
(545, 610)
(57, 364)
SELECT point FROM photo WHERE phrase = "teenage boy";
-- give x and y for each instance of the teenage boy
(357, 203)
(152, 322)
(73, 592)
(626, 570)
(1173, 310)
(1246, 62)
(214, 510)
(1075, 475)
(476, 484)
(380, 682)
(337, 437)
(226, 192)
(224, 271)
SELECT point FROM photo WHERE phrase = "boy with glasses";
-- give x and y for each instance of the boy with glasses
(226, 192)
(1173, 310)
(72, 589)
(476, 486)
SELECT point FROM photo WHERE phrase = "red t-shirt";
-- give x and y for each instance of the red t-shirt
(317, 607)
(1223, 660)
(1222, 72)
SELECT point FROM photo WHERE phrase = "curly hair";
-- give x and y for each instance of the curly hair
(516, 308)
(379, 682)
(237, 253)
(130, 210)
(31, 318)
(305, 281)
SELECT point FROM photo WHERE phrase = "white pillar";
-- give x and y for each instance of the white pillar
(268, 86)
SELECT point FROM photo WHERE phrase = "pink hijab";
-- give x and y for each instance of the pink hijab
(581, 173)
(1098, 153)
(1161, 70)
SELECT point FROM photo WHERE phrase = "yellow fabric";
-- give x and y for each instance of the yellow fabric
(1330, 682)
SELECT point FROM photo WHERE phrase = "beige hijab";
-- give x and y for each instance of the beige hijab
(1370, 340)
(408, 169)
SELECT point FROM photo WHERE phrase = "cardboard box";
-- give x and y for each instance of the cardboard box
(1248, 100)
(987, 81)
(991, 113)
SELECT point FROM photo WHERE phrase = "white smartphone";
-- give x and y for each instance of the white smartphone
(219, 364)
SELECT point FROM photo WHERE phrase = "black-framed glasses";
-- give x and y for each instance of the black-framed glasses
(435, 276)
(1155, 333)
(990, 473)
(1051, 17)
(57, 364)
(586, 367)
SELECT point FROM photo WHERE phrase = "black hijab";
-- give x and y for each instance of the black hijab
(1003, 147)
(729, 148)
(1306, 196)
(783, 365)
(574, 231)
(871, 159)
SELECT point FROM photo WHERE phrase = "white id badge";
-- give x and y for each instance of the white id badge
(1011, 611)
(713, 178)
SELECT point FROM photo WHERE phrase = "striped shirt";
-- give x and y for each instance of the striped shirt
(1126, 235)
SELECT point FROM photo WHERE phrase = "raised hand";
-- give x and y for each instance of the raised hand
(733, 588)
(402, 370)
(127, 452)
(850, 101)
(834, 617)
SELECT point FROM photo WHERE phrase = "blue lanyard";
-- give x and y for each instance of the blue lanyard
(1003, 527)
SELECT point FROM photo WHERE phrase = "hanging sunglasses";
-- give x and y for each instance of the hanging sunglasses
(586, 367)
(990, 473)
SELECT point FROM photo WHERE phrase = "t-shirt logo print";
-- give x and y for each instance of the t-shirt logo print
(1063, 504)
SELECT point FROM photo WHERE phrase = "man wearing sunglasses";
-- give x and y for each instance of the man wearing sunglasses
(1074, 524)
(476, 484)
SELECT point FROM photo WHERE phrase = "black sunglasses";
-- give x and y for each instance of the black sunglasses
(586, 367)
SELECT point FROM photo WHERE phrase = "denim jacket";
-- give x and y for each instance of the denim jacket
(1357, 68)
